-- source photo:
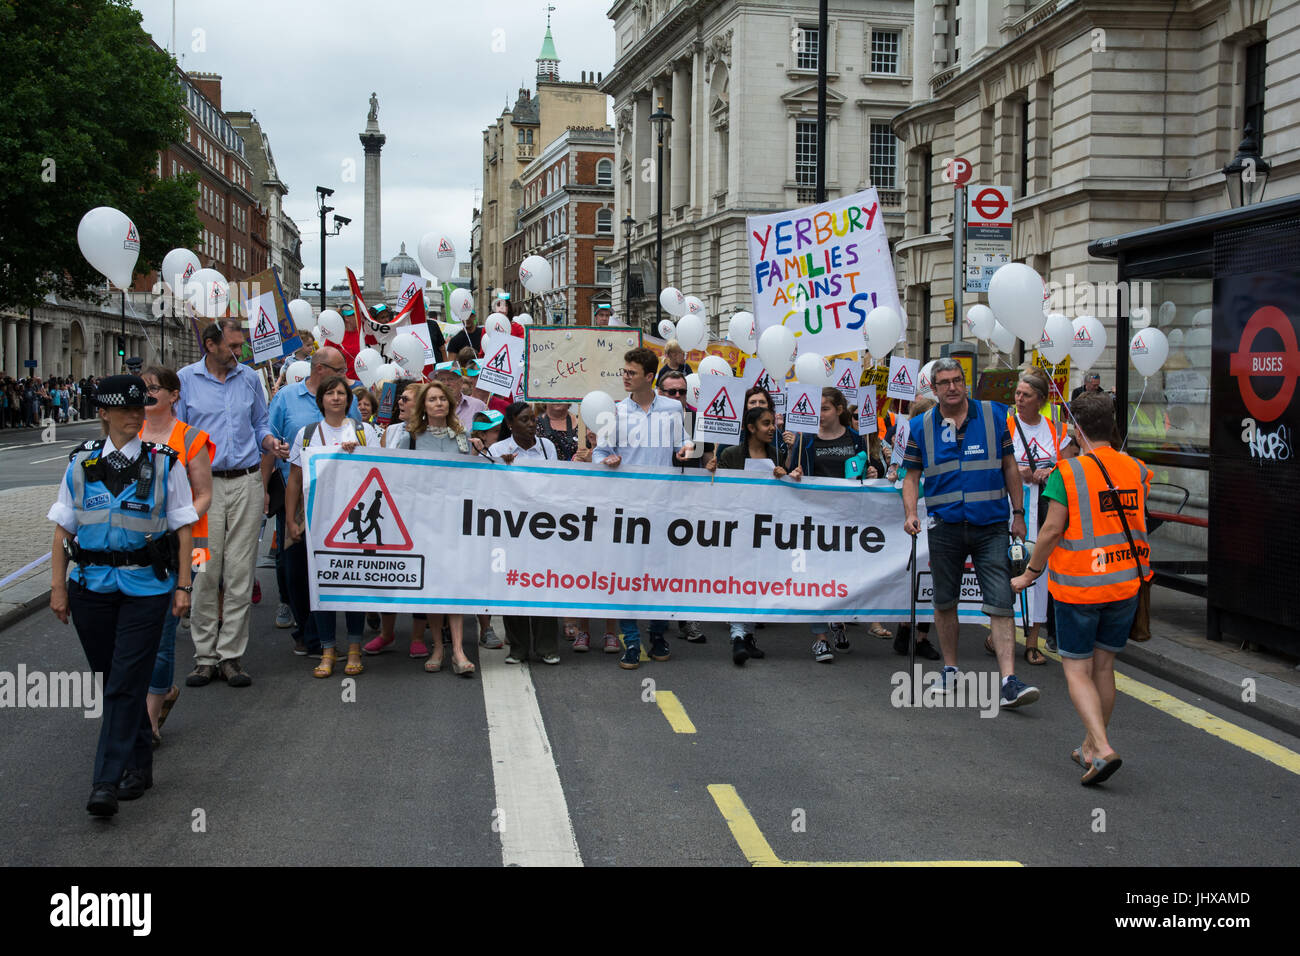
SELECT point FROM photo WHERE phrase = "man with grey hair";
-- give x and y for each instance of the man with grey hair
(965, 452)
(294, 407)
(225, 399)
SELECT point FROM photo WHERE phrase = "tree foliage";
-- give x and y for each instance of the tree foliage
(87, 104)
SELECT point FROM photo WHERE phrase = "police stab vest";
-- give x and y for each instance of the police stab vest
(120, 523)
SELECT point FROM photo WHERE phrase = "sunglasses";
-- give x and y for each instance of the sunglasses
(674, 391)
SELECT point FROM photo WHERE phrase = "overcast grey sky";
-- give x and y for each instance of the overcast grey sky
(443, 71)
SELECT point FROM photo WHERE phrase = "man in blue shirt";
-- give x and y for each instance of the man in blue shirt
(966, 454)
(225, 399)
(294, 407)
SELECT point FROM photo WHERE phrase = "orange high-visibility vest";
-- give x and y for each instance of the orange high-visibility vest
(1092, 563)
(188, 442)
(1058, 432)
(886, 421)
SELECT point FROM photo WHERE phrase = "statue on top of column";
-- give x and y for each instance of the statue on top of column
(374, 108)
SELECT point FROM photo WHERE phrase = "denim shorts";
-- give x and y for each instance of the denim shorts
(986, 544)
(1081, 627)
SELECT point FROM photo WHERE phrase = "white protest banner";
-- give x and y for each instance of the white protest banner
(410, 285)
(803, 412)
(635, 542)
(722, 401)
(567, 362)
(501, 370)
(421, 331)
(903, 373)
(758, 377)
(846, 378)
(263, 329)
(819, 270)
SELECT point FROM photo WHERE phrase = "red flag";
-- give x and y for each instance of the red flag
(357, 302)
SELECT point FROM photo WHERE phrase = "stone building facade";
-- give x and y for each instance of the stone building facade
(283, 237)
(740, 81)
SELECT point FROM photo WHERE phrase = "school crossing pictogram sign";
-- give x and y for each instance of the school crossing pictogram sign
(804, 406)
(370, 521)
(720, 396)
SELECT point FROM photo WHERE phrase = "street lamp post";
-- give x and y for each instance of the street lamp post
(322, 192)
(660, 119)
(1247, 174)
(628, 225)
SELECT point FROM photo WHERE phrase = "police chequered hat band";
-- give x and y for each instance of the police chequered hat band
(123, 391)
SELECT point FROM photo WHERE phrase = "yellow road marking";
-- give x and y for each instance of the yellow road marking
(760, 853)
(674, 711)
(1194, 716)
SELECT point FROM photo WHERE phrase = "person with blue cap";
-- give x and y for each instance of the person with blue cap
(122, 518)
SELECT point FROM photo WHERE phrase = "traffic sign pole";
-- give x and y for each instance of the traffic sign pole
(958, 259)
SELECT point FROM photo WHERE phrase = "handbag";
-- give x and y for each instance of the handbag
(1141, 629)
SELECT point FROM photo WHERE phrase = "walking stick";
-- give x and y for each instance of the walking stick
(911, 583)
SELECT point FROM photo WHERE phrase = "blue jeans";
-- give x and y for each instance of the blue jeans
(164, 665)
(355, 621)
(632, 632)
(986, 544)
(1082, 627)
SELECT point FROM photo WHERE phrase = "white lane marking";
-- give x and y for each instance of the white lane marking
(41, 461)
(532, 814)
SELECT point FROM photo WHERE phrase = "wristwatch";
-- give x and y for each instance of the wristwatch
(1017, 511)
(187, 588)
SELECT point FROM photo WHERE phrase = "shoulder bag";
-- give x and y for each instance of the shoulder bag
(1141, 630)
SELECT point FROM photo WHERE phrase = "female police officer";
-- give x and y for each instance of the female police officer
(122, 513)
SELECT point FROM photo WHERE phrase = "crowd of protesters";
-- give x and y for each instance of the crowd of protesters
(31, 402)
(240, 455)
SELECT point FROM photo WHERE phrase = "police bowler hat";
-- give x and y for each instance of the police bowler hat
(123, 391)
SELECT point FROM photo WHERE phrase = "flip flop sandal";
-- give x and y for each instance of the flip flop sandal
(1034, 656)
(354, 665)
(1102, 769)
(880, 631)
(1077, 757)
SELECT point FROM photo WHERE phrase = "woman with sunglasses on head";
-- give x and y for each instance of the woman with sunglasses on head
(335, 429)
(194, 450)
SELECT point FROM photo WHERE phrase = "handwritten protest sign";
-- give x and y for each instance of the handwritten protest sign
(566, 362)
(819, 270)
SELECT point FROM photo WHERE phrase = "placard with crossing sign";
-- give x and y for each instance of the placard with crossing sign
(988, 234)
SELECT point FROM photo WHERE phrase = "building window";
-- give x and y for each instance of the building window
(927, 190)
(809, 44)
(604, 274)
(805, 158)
(884, 156)
(1254, 105)
(956, 31)
(605, 172)
(1024, 147)
(605, 222)
(525, 137)
(925, 323)
(884, 51)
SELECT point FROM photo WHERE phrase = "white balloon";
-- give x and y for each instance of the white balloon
(666, 328)
(925, 378)
(331, 326)
(1148, 350)
(811, 369)
(407, 352)
(597, 410)
(208, 293)
(497, 324)
(1016, 295)
(1002, 338)
(535, 274)
(1088, 343)
(1140, 317)
(776, 348)
(178, 267)
(109, 241)
(741, 331)
(438, 255)
(882, 328)
(693, 384)
(317, 335)
(695, 307)
(1199, 338)
(523, 318)
(673, 301)
(461, 304)
(1202, 317)
(1175, 338)
(300, 312)
(388, 372)
(367, 365)
(1058, 336)
(297, 372)
(1167, 312)
(980, 319)
(714, 365)
(692, 333)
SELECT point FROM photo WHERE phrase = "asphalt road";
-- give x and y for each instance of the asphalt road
(39, 456)
(819, 764)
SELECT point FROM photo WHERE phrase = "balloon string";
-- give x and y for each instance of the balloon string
(1129, 430)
